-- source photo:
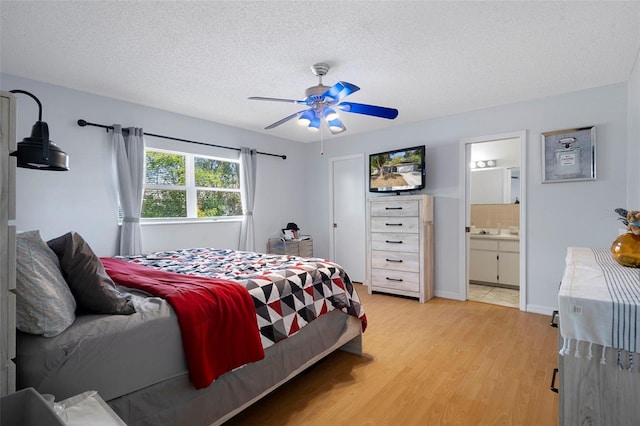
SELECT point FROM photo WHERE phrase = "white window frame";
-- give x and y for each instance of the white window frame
(191, 189)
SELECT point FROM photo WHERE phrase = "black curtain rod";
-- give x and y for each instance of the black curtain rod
(83, 123)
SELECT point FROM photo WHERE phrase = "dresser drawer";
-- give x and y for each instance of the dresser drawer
(395, 242)
(400, 280)
(395, 208)
(395, 261)
(305, 248)
(394, 224)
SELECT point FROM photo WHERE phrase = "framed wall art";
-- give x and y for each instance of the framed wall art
(569, 155)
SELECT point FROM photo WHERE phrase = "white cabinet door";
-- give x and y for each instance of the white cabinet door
(483, 266)
(509, 268)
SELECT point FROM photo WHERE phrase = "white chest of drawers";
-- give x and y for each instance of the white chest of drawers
(400, 245)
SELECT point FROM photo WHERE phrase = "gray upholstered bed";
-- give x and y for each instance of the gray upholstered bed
(137, 363)
(142, 373)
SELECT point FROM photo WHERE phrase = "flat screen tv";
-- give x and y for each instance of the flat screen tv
(397, 170)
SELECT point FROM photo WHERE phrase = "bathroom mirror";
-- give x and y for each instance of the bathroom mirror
(498, 185)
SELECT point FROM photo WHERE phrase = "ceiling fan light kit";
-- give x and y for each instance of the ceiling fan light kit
(306, 117)
(335, 126)
(315, 124)
(324, 100)
(330, 114)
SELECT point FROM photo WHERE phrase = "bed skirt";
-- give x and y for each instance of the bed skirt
(176, 402)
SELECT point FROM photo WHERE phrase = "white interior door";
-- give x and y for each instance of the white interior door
(348, 215)
(464, 240)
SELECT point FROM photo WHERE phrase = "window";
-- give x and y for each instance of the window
(181, 185)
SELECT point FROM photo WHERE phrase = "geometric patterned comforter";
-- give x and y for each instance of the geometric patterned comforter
(288, 291)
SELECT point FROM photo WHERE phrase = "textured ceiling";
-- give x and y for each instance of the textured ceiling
(427, 59)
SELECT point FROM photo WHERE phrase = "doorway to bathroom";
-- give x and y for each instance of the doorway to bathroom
(493, 220)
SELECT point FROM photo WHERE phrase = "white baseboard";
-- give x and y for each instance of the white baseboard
(449, 295)
(539, 309)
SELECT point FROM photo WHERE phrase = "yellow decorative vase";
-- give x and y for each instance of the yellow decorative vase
(626, 250)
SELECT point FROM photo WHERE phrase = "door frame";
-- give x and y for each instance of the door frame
(464, 210)
(332, 161)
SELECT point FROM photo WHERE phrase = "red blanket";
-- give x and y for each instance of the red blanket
(217, 317)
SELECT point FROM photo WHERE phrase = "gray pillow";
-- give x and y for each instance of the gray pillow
(44, 303)
(93, 289)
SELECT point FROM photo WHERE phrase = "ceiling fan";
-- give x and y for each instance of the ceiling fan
(323, 101)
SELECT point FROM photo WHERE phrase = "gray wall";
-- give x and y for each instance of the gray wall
(84, 198)
(633, 147)
(559, 215)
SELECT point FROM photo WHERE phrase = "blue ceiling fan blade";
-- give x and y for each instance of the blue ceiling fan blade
(284, 120)
(376, 111)
(339, 91)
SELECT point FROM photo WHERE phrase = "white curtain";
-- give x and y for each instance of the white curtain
(248, 187)
(129, 159)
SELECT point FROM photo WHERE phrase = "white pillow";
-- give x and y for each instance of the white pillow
(44, 303)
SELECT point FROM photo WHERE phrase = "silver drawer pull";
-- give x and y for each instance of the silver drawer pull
(393, 242)
(394, 260)
(393, 279)
(393, 208)
(393, 224)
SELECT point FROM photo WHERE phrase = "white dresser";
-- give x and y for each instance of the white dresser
(400, 245)
(7, 243)
(598, 303)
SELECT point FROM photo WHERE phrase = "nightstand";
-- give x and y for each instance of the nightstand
(302, 247)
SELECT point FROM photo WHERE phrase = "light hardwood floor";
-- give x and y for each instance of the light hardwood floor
(444, 362)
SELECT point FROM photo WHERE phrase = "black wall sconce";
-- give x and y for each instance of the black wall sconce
(37, 151)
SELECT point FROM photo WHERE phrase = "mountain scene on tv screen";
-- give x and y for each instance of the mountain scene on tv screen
(399, 169)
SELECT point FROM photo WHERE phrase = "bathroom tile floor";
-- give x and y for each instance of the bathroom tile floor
(495, 295)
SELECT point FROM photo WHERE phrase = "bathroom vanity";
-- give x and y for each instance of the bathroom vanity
(495, 259)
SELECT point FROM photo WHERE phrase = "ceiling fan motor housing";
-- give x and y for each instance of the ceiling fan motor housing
(320, 69)
(316, 90)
